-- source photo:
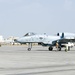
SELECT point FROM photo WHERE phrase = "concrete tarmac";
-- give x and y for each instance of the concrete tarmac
(16, 60)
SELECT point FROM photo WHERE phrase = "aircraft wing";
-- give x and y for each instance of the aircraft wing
(63, 41)
(66, 40)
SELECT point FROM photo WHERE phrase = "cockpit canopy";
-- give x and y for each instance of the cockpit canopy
(30, 34)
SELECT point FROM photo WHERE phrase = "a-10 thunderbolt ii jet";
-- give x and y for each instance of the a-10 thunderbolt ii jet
(60, 40)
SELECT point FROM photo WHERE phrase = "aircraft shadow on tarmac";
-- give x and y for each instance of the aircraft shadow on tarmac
(51, 51)
(55, 50)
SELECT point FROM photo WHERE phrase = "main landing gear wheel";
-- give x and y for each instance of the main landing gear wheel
(59, 48)
(29, 49)
(68, 48)
(50, 48)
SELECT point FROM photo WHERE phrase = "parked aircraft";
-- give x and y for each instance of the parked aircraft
(47, 40)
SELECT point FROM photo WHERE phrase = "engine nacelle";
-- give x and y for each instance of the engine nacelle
(63, 35)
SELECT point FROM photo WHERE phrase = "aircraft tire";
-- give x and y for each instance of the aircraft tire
(68, 48)
(50, 48)
(59, 48)
(29, 49)
(0, 45)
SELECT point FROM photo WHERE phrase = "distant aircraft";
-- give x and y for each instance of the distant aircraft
(61, 40)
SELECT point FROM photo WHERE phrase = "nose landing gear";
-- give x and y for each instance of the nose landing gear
(29, 46)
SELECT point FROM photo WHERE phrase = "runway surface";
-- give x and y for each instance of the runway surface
(16, 60)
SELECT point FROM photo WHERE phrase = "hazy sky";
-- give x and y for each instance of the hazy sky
(18, 17)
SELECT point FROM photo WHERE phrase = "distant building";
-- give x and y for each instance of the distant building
(10, 40)
(1, 39)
